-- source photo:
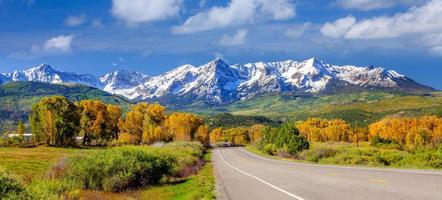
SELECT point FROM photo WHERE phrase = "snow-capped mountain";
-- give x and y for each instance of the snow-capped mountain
(217, 82)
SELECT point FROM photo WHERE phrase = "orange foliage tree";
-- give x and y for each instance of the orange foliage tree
(323, 130)
(411, 131)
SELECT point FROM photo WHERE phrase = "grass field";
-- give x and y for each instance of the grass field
(29, 164)
(367, 156)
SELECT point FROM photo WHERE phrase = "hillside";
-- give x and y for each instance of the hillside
(357, 108)
(17, 98)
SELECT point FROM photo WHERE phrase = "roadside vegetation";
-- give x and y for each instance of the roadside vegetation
(410, 142)
(79, 149)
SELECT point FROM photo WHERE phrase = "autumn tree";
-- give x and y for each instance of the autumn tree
(202, 135)
(236, 136)
(144, 124)
(56, 120)
(323, 130)
(215, 135)
(410, 132)
(183, 126)
(255, 133)
(113, 118)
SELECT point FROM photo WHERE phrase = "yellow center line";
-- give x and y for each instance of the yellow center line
(374, 180)
(332, 174)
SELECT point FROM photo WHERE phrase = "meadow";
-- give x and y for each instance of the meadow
(126, 172)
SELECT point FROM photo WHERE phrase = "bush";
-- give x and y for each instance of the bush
(120, 168)
(11, 188)
(123, 168)
(380, 142)
(297, 144)
(269, 149)
(315, 155)
(286, 137)
(54, 189)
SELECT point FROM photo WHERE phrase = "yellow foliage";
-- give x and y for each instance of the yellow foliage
(255, 133)
(215, 135)
(411, 131)
(183, 126)
(323, 130)
(202, 134)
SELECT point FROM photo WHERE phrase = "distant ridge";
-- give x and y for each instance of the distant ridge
(219, 83)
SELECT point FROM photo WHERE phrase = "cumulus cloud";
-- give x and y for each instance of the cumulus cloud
(231, 40)
(419, 21)
(339, 27)
(75, 20)
(366, 5)
(297, 31)
(238, 12)
(424, 19)
(56, 45)
(144, 11)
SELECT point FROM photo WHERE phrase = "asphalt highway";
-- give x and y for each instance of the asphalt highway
(242, 175)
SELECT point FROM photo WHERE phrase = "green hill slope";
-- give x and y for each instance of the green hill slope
(357, 108)
(17, 98)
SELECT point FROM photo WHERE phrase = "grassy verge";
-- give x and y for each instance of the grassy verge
(367, 156)
(200, 186)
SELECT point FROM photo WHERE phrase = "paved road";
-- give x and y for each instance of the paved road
(242, 175)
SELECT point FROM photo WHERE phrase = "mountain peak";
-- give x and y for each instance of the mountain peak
(44, 67)
(218, 82)
(314, 61)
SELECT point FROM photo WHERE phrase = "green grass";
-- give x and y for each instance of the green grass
(197, 187)
(30, 163)
(365, 155)
(200, 186)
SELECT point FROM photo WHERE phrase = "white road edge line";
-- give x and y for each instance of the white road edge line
(259, 179)
(338, 167)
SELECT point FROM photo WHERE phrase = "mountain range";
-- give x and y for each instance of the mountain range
(218, 83)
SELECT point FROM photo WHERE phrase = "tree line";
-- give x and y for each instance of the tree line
(57, 121)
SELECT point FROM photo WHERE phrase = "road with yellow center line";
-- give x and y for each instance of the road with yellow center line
(244, 175)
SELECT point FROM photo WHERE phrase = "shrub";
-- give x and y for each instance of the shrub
(120, 168)
(286, 137)
(54, 189)
(315, 155)
(270, 149)
(297, 144)
(11, 188)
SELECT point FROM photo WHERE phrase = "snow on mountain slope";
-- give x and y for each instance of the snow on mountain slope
(217, 82)
(45, 73)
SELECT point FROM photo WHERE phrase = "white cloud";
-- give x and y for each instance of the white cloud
(56, 45)
(75, 20)
(143, 11)
(436, 51)
(339, 27)
(422, 23)
(238, 12)
(297, 31)
(366, 5)
(232, 40)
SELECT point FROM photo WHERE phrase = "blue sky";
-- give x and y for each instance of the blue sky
(153, 36)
